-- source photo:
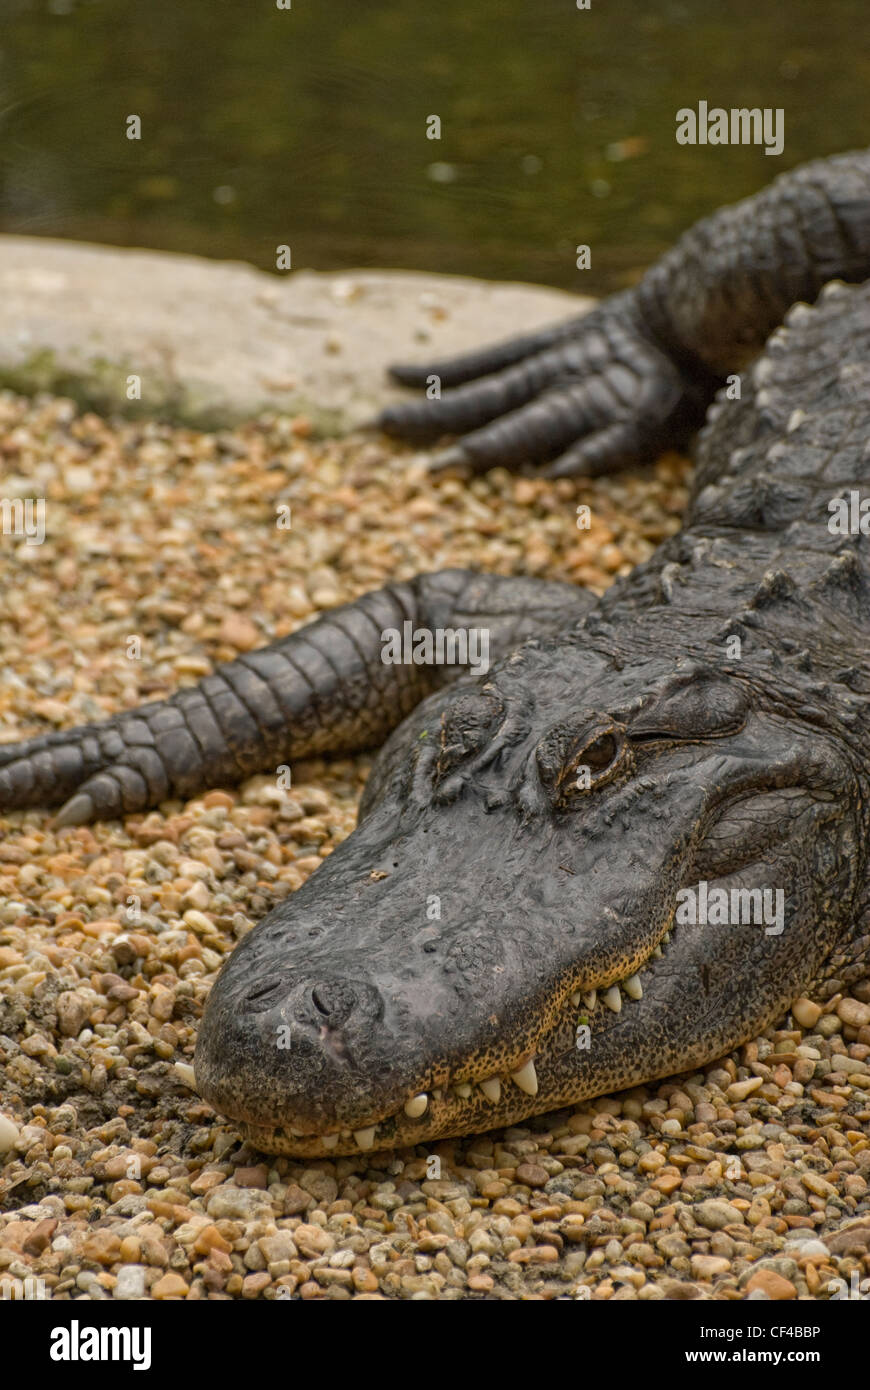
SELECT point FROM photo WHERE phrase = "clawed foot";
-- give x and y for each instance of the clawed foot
(585, 398)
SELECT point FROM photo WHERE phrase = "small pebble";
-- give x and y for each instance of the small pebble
(8, 1134)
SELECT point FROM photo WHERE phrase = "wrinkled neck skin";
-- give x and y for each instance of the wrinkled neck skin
(456, 964)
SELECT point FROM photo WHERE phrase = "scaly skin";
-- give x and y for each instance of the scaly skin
(429, 978)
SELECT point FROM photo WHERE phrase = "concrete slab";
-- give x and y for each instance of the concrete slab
(215, 342)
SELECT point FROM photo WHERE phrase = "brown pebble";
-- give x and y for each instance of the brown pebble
(170, 1286)
(774, 1285)
(312, 1240)
(40, 1237)
(204, 1182)
(238, 631)
(254, 1284)
(853, 1012)
(739, 1090)
(537, 1254)
(707, 1267)
(257, 1176)
(210, 1238)
(102, 1246)
(531, 1175)
(806, 1013)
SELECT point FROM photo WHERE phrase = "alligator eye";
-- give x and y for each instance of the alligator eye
(573, 765)
(466, 727)
(597, 755)
(596, 761)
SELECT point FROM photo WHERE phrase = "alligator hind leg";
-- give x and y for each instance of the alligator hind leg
(323, 689)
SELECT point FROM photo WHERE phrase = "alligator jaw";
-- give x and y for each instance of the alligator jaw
(602, 1037)
(474, 1105)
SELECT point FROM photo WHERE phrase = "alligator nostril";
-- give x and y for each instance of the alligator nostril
(320, 1003)
(261, 997)
(334, 999)
(338, 1002)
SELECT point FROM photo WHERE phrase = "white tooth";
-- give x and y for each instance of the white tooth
(415, 1106)
(657, 951)
(463, 1091)
(575, 998)
(492, 1089)
(591, 999)
(613, 999)
(365, 1138)
(437, 1094)
(527, 1078)
(329, 1141)
(667, 936)
(632, 987)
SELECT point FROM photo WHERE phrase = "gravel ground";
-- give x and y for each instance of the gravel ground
(747, 1179)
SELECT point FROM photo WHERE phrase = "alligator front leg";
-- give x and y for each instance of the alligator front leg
(595, 394)
(614, 387)
(323, 689)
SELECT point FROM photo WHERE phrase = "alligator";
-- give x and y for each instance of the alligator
(506, 932)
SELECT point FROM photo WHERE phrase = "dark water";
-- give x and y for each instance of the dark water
(308, 127)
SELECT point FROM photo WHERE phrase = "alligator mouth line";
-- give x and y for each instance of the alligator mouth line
(433, 1112)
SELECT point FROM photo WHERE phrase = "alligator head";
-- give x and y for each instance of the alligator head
(506, 931)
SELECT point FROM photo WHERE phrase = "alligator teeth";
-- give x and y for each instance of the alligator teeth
(632, 987)
(613, 999)
(575, 998)
(329, 1141)
(492, 1089)
(591, 999)
(666, 937)
(463, 1091)
(437, 1093)
(415, 1106)
(365, 1138)
(527, 1078)
(657, 951)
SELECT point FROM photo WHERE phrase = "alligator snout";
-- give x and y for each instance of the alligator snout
(287, 1043)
